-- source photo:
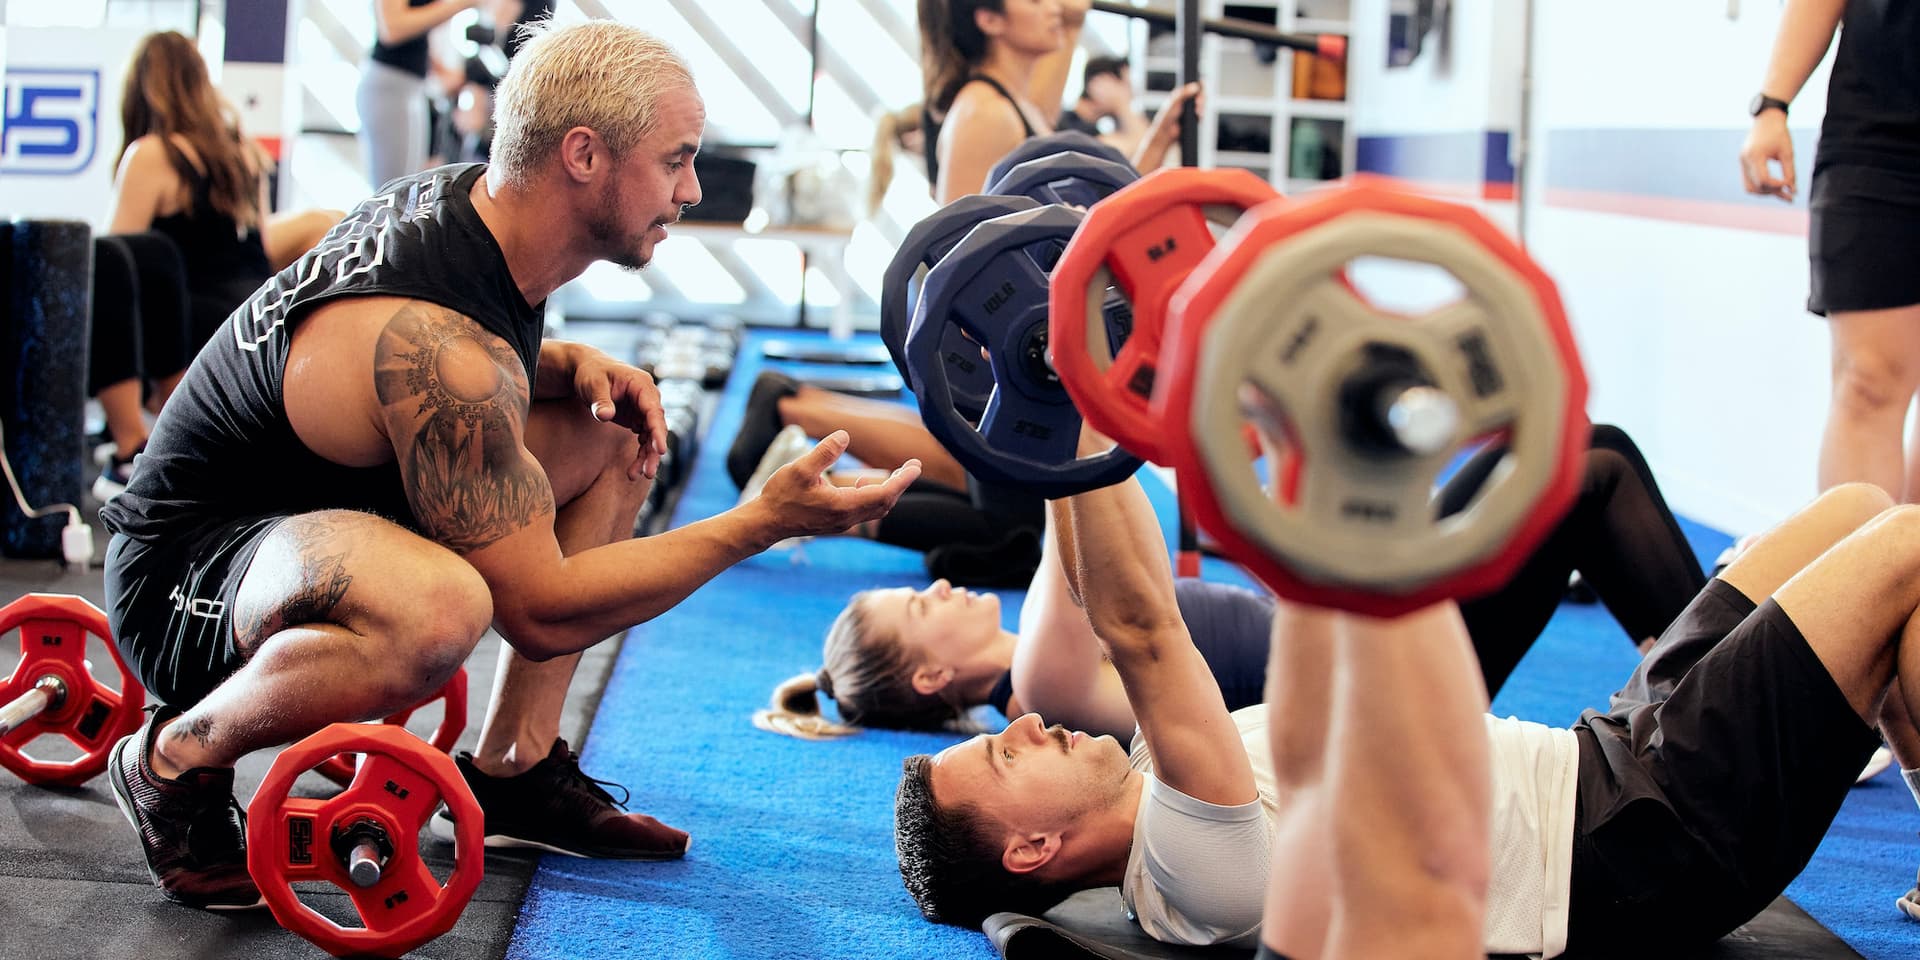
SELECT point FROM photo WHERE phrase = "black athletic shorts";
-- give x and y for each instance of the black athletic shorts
(1707, 786)
(1863, 227)
(171, 605)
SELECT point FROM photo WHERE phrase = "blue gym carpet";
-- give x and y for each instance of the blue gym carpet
(793, 852)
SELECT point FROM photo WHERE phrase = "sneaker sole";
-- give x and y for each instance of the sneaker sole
(1910, 904)
(442, 830)
(125, 803)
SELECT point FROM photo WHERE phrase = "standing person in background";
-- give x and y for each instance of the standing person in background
(994, 74)
(185, 171)
(1865, 221)
(392, 96)
(1863, 229)
(1106, 92)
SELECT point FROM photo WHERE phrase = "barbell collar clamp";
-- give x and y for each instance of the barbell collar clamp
(364, 848)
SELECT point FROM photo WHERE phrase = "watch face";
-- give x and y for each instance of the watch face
(1753, 107)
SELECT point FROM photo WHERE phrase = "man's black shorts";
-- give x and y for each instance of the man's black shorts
(1709, 784)
(171, 605)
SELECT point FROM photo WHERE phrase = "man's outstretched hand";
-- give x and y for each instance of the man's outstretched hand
(802, 502)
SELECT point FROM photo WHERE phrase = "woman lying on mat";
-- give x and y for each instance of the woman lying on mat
(912, 659)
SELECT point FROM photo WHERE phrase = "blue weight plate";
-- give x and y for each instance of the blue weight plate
(925, 244)
(992, 286)
(1064, 141)
(1075, 179)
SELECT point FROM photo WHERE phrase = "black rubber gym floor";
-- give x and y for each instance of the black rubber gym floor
(73, 885)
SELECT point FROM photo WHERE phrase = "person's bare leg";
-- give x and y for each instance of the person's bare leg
(1875, 369)
(883, 435)
(1779, 553)
(1299, 694)
(125, 422)
(1409, 764)
(1896, 725)
(344, 617)
(586, 463)
(1856, 606)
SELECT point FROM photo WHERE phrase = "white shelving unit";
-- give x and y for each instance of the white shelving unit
(1306, 142)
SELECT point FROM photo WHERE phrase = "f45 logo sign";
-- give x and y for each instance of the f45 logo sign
(52, 121)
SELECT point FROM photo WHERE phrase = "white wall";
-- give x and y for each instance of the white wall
(1686, 296)
(1694, 335)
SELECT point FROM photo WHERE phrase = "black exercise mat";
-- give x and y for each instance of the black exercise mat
(871, 354)
(1093, 925)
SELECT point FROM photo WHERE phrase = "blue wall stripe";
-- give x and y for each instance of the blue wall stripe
(1696, 164)
(1465, 156)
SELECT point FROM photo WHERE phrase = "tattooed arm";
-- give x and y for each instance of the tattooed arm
(454, 401)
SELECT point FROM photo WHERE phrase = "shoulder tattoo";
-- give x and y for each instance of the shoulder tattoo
(462, 394)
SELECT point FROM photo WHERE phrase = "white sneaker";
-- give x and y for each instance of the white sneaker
(1910, 904)
(1877, 764)
(113, 478)
(790, 444)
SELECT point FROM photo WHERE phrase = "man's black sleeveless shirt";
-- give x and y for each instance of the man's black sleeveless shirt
(223, 448)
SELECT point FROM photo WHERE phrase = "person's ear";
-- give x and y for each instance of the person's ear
(582, 154)
(1025, 854)
(929, 679)
(989, 22)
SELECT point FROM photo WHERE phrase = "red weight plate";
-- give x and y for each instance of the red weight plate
(398, 785)
(453, 723)
(1193, 308)
(93, 717)
(1148, 235)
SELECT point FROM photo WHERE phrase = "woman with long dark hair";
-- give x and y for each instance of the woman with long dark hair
(186, 171)
(994, 72)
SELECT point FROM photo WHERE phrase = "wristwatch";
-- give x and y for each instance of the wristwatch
(1762, 103)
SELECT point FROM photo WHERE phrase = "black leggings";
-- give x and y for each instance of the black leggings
(1619, 534)
(140, 323)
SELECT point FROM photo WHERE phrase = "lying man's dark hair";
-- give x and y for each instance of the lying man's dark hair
(950, 862)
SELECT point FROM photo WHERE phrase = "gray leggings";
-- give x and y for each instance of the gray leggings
(393, 122)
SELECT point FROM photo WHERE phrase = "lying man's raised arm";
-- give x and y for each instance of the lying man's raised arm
(1126, 584)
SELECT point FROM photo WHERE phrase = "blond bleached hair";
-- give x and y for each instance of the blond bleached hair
(599, 74)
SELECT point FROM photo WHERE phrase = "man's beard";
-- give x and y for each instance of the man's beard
(604, 228)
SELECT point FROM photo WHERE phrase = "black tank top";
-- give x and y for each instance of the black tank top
(1232, 628)
(1873, 94)
(225, 264)
(930, 128)
(223, 448)
(410, 56)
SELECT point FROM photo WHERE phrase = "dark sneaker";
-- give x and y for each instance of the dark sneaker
(556, 807)
(192, 829)
(759, 424)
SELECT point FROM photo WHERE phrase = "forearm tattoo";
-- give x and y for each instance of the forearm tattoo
(464, 395)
